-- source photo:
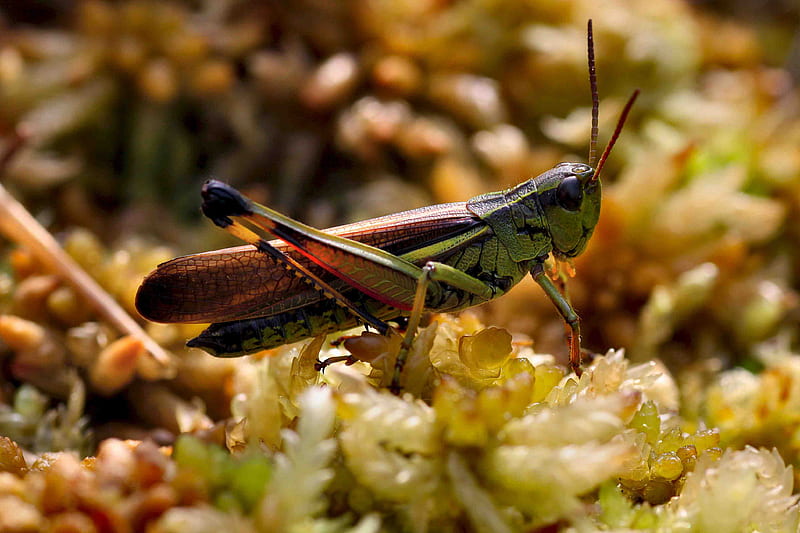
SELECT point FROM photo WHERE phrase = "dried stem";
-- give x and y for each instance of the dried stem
(19, 225)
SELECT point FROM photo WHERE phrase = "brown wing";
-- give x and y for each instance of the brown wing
(241, 282)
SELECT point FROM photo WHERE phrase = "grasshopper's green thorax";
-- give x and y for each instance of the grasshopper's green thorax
(553, 212)
(516, 219)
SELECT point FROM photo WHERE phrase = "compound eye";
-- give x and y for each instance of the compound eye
(570, 193)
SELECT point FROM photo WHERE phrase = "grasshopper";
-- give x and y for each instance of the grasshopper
(442, 258)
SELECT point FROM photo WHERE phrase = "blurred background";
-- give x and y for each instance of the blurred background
(338, 111)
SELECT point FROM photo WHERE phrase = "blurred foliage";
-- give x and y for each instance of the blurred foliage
(338, 111)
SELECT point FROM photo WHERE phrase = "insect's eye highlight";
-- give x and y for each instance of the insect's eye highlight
(570, 193)
(582, 169)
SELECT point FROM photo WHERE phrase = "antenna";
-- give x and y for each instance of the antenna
(621, 122)
(595, 97)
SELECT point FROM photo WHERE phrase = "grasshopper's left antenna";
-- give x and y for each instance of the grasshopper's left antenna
(595, 97)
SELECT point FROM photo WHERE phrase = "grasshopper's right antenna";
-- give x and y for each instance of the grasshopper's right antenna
(596, 111)
(595, 96)
(621, 122)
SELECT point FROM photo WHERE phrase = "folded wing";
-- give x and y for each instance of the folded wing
(241, 282)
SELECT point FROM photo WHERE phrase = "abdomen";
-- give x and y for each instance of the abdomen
(241, 337)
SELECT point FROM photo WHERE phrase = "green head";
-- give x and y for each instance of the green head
(553, 212)
(569, 200)
(569, 194)
(558, 210)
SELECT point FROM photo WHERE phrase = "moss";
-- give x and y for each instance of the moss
(339, 111)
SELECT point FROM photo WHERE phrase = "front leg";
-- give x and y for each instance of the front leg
(440, 273)
(569, 315)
